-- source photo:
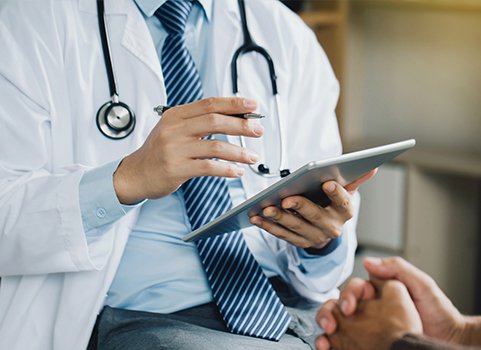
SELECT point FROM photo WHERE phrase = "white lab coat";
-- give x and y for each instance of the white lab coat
(52, 82)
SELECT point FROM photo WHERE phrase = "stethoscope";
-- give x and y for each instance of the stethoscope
(116, 120)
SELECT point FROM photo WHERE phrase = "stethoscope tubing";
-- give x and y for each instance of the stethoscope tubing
(282, 171)
(248, 46)
(106, 50)
(108, 113)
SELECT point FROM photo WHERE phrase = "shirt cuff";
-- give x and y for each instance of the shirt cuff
(99, 204)
(310, 253)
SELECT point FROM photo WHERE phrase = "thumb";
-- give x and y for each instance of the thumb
(378, 284)
(380, 268)
(388, 288)
(416, 281)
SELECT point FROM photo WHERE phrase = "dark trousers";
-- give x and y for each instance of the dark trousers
(200, 328)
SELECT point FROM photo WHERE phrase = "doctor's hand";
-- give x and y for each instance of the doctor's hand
(174, 151)
(306, 224)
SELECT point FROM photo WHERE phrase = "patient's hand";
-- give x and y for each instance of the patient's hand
(439, 317)
(376, 324)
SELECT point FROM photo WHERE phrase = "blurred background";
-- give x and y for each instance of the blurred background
(412, 69)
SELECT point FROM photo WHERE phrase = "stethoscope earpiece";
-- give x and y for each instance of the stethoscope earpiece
(115, 120)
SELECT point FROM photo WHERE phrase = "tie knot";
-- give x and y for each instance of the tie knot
(173, 15)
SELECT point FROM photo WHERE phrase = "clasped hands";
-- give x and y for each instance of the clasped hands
(398, 299)
(176, 151)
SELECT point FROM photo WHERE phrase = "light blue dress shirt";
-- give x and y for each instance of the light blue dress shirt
(158, 271)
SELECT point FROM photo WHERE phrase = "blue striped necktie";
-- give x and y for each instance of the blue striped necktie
(244, 296)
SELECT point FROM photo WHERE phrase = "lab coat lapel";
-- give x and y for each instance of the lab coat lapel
(137, 40)
(135, 36)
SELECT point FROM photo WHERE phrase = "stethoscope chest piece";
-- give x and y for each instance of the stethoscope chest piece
(115, 120)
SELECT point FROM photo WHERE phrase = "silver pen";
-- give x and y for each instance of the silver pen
(160, 110)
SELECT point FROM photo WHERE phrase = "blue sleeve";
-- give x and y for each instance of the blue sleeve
(99, 204)
(327, 249)
(309, 258)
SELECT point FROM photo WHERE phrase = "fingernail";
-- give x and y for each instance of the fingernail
(269, 212)
(324, 323)
(239, 171)
(252, 157)
(257, 129)
(250, 103)
(324, 343)
(255, 220)
(373, 261)
(330, 187)
(344, 306)
(290, 205)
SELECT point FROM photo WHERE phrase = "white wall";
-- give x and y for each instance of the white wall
(414, 73)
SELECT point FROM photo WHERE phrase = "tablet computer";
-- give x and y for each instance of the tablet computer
(305, 181)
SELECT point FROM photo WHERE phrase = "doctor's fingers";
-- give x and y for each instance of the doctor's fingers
(325, 219)
(223, 105)
(340, 200)
(294, 223)
(210, 167)
(353, 186)
(281, 232)
(204, 149)
(214, 123)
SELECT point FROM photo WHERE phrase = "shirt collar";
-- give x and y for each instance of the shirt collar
(148, 7)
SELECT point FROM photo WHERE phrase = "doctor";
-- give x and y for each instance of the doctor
(91, 227)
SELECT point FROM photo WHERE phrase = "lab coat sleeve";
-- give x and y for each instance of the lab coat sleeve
(41, 228)
(40, 220)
